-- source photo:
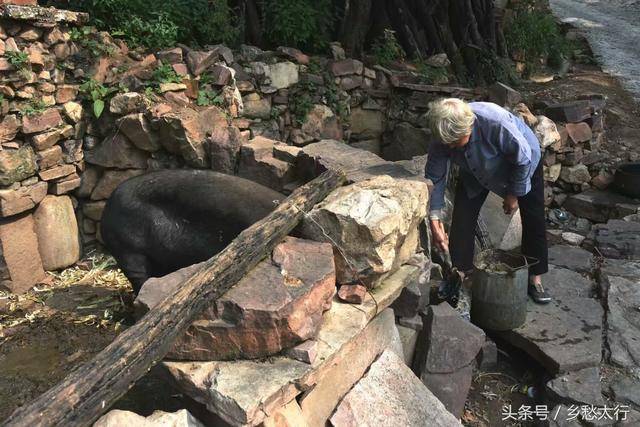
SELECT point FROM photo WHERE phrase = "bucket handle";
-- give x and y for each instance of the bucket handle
(526, 258)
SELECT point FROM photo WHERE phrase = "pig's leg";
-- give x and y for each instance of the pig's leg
(137, 268)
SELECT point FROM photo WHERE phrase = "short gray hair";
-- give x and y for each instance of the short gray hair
(450, 119)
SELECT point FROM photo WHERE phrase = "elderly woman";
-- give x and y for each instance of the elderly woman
(496, 151)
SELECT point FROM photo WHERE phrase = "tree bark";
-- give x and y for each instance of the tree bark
(92, 387)
(355, 26)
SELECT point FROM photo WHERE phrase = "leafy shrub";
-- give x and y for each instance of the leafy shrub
(161, 23)
(534, 35)
(17, 58)
(97, 94)
(34, 107)
(209, 97)
(387, 49)
(305, 24)
(86, 38)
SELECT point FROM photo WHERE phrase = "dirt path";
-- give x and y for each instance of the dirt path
(613, 30)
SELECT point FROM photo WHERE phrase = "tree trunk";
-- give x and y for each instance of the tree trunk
(91, 388)
(355, 26)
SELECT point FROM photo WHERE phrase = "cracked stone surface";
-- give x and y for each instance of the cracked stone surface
(623, 321)
(580, 387)
(572, 258)
(564, 335)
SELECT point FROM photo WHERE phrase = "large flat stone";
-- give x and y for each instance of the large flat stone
(623, 321)
(618, 239)
(390, 395)
(247, 392)
(621, 267)
(580, 387)
(566, 283)
(564, 335)
(600, 206)
(358, 164)
(373, 223)
(275, 306)
(571, 257)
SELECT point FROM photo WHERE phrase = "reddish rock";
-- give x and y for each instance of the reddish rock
(57, 230)
(9, 127)
(220, 75)
(110, 180)
(305, 352)
(57, 172)
(276, 306)
(170, 56)
(185, 132)
(136, 128)
(69, 184)
(36, 59)
(353, 294)
(579, 132)
(346, 67)
(66, 93)
(181, 69)
(47, 120)
(258, 164)
(294, 54)
(50, 157)
(13, 202)
(224, 149)
(117, 152)
(177, 98)
(199, 61)
(21, 267)
(46, 140)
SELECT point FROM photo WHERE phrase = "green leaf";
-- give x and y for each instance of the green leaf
(98, 107)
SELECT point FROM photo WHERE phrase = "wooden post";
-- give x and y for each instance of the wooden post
(91, 388)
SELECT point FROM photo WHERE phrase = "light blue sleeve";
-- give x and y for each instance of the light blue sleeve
(515, 147)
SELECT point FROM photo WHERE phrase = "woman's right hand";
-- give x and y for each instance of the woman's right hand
(440, 238)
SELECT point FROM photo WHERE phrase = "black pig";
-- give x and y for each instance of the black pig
(157, 223)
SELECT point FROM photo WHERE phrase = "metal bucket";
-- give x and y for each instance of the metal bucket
(499, 291)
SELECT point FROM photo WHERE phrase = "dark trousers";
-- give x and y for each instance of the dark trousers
(534, 235)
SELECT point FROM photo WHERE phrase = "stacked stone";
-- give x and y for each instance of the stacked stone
(40, 144)
(572, 137)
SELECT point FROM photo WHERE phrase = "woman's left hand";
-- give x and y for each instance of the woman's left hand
(510, 204)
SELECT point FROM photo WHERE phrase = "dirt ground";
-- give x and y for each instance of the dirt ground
(57, 326)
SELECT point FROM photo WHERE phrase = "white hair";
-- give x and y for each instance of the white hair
(450, 119)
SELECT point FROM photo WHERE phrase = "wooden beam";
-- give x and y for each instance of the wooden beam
(91, 389)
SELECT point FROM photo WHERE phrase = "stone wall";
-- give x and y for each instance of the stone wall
(84, 112)
(40, 144)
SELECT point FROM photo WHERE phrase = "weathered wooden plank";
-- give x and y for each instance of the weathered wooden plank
(90, 389)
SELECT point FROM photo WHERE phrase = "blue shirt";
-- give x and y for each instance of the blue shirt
(501, 156)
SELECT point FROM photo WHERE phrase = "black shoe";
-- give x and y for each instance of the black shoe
(538, 294)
